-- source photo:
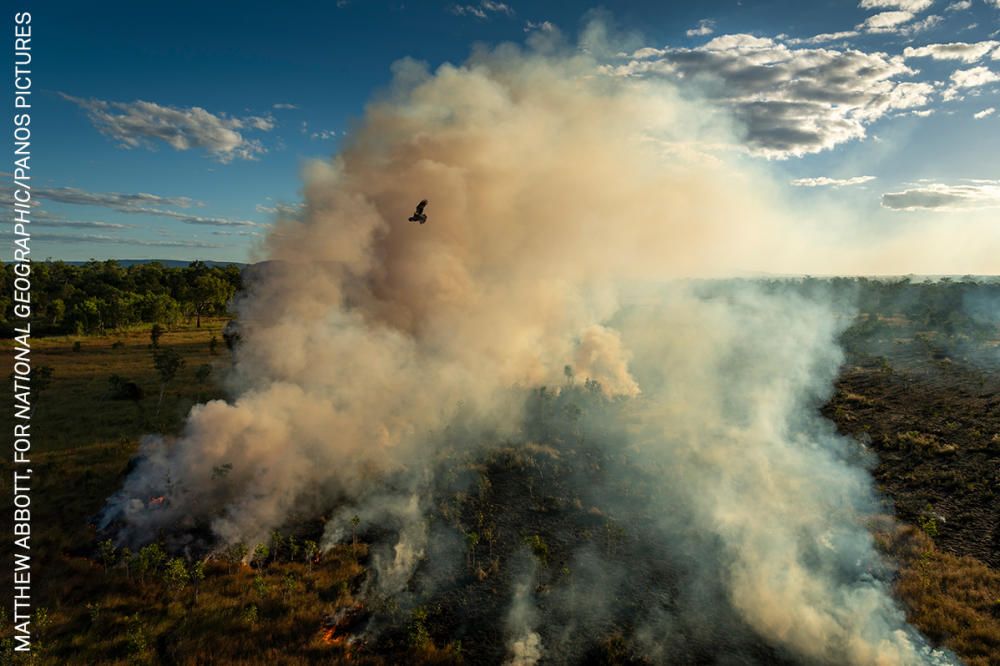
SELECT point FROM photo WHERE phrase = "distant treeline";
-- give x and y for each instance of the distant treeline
(102, 296)
(967, 305)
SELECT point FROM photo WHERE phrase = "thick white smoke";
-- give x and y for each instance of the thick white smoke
(550, 188)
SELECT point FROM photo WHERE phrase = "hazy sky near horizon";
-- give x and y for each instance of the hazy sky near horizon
(177, 130)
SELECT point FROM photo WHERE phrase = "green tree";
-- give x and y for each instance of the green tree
(175, 576)
(108, 553)
(235, 554)
(149, 560)
(197, 576)
(168, 363)
(260, 554)
(202, 373)
(208, 294)
(155, 333)
(309, 551)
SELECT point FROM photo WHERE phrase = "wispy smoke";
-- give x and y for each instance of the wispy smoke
(368, 338)
(522, 619)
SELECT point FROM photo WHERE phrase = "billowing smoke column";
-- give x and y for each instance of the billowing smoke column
(551, 189)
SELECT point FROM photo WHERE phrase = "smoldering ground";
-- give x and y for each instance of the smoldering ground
(376, 351)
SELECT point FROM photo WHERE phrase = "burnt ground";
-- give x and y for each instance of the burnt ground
(932, 417)
(926, 406)
(595, 575)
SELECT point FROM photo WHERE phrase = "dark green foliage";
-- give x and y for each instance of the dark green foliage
(202, 373)
(155, 333)
(102, 296)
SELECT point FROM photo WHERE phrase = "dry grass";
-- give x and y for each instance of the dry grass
(76, 410)
(83, 441)
(954, 601)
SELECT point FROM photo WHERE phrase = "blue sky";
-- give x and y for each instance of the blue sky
(174, 130)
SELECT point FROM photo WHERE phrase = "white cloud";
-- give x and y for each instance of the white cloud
(914, 6)
(544, 26)
(55, 221)
(984, 113)
(791, 101)
(972, 195)
(280, 209)
(968, 78)
(114, 200)
(885, 21)
(823, 38)
(137, 204)
(498, 7)
(483, 9)
(824, 181)
(119, 240)
(921, 26)
(964, 51)
(140, 123)
(323, 135)
(704, 27)
(975, 77)
(959, 6)
(285, 106)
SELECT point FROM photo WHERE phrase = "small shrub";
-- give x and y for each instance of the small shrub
(538, 547)
(420, 638)
(249, 615)
(202, 373)
(155, 333)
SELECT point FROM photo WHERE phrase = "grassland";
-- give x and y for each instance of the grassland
(278, 608)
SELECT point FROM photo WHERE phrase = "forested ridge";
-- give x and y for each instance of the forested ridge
(103, 296)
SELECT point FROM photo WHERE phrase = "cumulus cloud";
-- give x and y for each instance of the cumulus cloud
(974, 77)
(915, 6)
(141, 124)
(984, 113)
(824, 181)
(885, 21)
(791, 101)
(959, 6)
(970, 195)
(285, 106)
(920, 26)
(964, 51)
(704, 27)
(977, 76)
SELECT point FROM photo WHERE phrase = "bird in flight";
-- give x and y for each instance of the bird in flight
(418, 214)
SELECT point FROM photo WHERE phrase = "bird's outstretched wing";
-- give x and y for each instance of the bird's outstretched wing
(420, 206)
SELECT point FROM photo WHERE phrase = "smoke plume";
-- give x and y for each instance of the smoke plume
(553, 193)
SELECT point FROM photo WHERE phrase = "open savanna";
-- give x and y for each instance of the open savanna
(82, 442)
(286, 605)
